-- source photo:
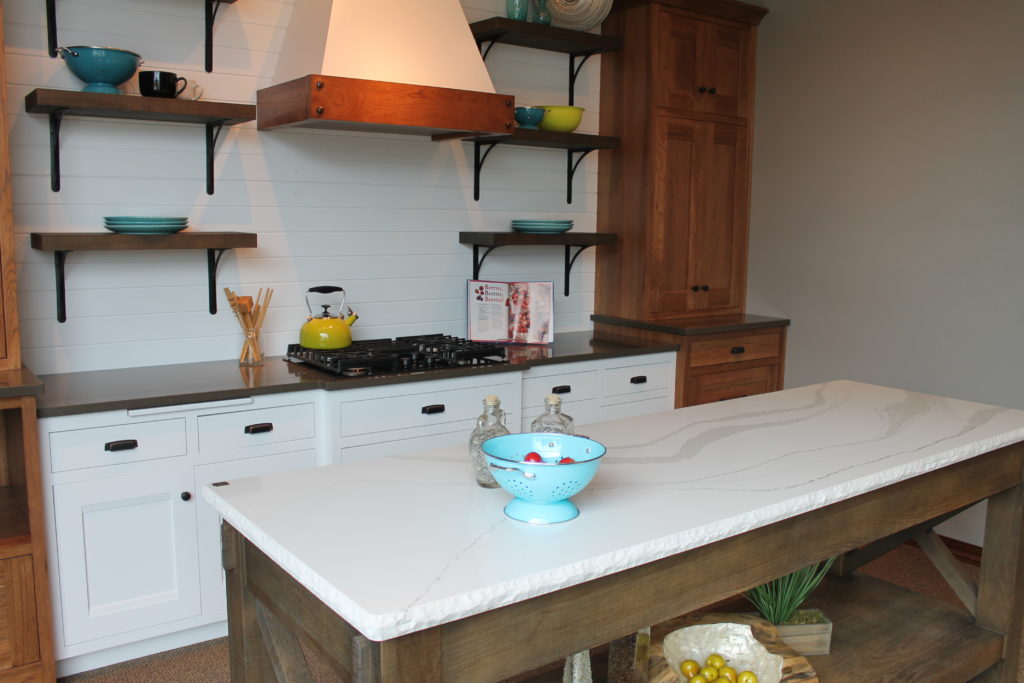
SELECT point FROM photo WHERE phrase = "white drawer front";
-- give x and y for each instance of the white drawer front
(573, 387)
(77, 449)
(245, 428)
(637, 379)
(414, 410)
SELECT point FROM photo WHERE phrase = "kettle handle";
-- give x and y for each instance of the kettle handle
(325, 289)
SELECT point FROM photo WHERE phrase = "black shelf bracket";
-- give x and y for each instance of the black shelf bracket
(574, 72)
(212, 261)
(570, 259)
(51, 27)
(478, 163)
(571, 166)
(213, 130)
(485, 51)
(211, 13)
(59, 257)
(478, 258)
(56, 118)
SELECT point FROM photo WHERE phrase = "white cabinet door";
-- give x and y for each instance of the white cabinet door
(126, 552)
(214, 607)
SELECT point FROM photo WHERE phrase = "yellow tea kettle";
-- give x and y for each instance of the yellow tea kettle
(326, 331)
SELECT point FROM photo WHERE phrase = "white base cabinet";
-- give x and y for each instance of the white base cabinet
(135, 550)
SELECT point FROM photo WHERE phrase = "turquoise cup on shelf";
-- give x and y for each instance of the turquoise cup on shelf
(529, 117)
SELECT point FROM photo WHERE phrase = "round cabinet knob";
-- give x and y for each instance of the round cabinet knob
(186, 496)
(702, 89)
(705, 288)
(712, 91)
(320, 110)
(695, 288)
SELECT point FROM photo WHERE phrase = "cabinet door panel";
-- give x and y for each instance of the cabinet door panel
(126, 549)
(675, 165)
(211, 568)
(724, 68)
(676, 54)
(19, 641)
(718, 242)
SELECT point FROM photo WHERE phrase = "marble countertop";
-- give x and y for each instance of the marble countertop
(163, 385)
(398, 544)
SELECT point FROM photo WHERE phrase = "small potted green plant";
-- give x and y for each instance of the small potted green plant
(808, 631)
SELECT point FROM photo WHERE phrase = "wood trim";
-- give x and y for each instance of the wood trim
(102, 105)
(10, 336)
(740, 12)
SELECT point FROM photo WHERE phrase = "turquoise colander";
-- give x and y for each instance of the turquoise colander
(542, 489)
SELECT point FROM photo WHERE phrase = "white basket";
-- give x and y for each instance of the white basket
(580, 15)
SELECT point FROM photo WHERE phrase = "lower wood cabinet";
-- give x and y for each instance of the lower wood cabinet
(19, 623)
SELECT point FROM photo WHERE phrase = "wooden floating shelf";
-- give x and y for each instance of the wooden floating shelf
(60, 103)
(541, 37)
(484, 243)
(62, 243)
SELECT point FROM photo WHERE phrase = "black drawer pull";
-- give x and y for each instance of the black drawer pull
(738, 350)
(561, 389)
(123, 445)
(639, 379)
(259, 428)
(432, 410)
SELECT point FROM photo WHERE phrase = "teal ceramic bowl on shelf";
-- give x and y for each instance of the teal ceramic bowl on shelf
(102, 69)
(529, 117)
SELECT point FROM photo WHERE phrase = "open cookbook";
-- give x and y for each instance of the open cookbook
(516, 312)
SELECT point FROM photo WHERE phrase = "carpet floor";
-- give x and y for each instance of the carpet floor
(208, 662)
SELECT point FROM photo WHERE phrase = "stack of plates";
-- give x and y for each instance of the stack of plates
(549, 226)
(153, 225)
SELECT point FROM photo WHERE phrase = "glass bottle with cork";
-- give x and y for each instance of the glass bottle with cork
(553, 419)
(491, 423)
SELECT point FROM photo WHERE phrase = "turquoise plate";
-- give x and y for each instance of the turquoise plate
(145, 219)
(146, 229)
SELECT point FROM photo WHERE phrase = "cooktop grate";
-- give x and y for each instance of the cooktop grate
(402, 354)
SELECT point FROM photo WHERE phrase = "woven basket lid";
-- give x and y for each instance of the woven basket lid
(580, 15)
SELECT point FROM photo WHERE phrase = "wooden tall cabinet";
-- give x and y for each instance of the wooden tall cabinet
(680, 96)
(10, 346)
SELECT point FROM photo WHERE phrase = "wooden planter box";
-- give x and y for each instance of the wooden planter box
(811, 636)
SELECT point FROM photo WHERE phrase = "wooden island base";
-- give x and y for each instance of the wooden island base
(266, 605)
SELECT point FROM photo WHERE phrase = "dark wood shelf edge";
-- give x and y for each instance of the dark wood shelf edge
(498, 239)
(546, 139)
(102, 105)
(541, 37)
(109, 241)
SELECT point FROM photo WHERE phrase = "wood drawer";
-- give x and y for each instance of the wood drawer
(246, 428)
(734, 349)
(722, 386)
(573, 387)
(77, 449)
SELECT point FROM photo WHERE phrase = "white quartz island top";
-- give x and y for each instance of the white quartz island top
(399, 544)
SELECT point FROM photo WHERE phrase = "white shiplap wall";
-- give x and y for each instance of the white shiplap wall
(376, 214)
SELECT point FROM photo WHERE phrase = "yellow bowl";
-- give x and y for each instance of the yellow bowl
(561, 119)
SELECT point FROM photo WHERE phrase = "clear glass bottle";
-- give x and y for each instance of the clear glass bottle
(490, 424)
(553, 419)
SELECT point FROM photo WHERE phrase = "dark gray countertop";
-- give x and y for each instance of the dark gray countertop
(163, 385)
(693, 326)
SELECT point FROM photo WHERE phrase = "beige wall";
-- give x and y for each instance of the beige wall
(888, 193)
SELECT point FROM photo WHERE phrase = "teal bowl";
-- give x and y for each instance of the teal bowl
(102, 69)
(542, 489)
(529, 117)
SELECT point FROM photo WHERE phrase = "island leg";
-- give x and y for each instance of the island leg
(249, 660)
(1001, 582)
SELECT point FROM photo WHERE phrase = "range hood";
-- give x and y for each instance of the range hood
(407, 66)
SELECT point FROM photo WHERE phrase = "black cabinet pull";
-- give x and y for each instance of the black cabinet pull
(702, 89)
(561, 389)
(705, 287)
(259, 428)
(695, 288)
(123, 445)
(432, 410)
(738, 350)
(639, 379)
(186, 496)
(712, 91)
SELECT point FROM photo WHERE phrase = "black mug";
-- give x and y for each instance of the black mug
(161, 84)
